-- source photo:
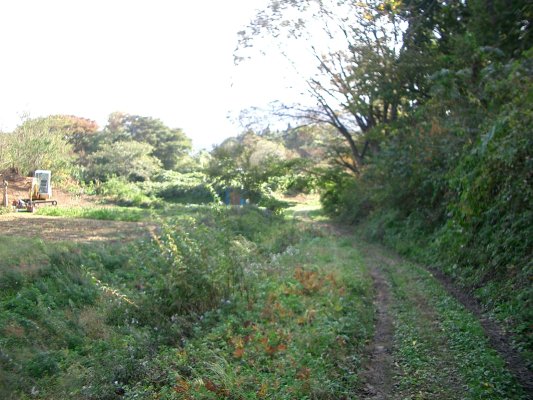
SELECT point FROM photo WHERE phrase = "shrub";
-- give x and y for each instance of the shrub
(99, 314)
(35, 145)
(185, 188)
(123, 192)
(130, 160)
(344, 197)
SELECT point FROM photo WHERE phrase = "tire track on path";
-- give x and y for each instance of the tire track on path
(379, 369)
(498, 339)
(378, 374)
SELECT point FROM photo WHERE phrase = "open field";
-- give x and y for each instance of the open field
(71, 229)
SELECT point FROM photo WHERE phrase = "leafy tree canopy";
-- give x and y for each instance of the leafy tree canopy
(37, 143)
(129, 159)
(78, 131)
(391, 54)
(169, 145)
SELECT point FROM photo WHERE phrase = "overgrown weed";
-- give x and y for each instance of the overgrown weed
(234, 302)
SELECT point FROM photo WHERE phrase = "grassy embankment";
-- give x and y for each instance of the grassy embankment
(506, 296)
(223, 303)
(131, 214)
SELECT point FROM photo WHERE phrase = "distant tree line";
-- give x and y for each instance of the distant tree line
(129, 146)
(137, 159)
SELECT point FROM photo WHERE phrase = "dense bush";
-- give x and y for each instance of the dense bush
(129, 160)
(343, 197)
(123, 192)
(189, 188)
(489, 224)
(487, 240)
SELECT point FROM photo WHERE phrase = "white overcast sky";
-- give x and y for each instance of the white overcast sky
(168, 59)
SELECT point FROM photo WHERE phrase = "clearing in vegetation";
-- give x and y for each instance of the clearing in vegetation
(71, 229)
(238, 304)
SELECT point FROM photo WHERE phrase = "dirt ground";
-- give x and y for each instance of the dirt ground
(72, 229)
(19, 187)
(57, 228)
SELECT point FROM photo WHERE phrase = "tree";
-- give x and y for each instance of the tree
(380, 71)
(169, 145)
(249, 162)
(38, 144)
(503, 24)
(78, 131)
(4, 151)
(129, 159)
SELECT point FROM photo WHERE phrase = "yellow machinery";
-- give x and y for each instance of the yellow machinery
(41, 186)
(40, 191)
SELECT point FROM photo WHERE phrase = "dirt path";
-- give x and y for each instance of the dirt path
(413, 317)
(378, 375)
(498, 339)
(381, 370)
(71, 229)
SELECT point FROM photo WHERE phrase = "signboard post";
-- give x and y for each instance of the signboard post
(5, 201)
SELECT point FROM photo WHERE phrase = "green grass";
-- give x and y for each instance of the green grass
(310, 209)
(299, 334)
(115, 213)
(5, 210)
(505, 292)
(25, 254)
(227, 303)
(15, 251)
(225, 300)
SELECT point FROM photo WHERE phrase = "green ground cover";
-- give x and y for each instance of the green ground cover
(299, 335)
(223, 301)
(114, 213)
(236, 303)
